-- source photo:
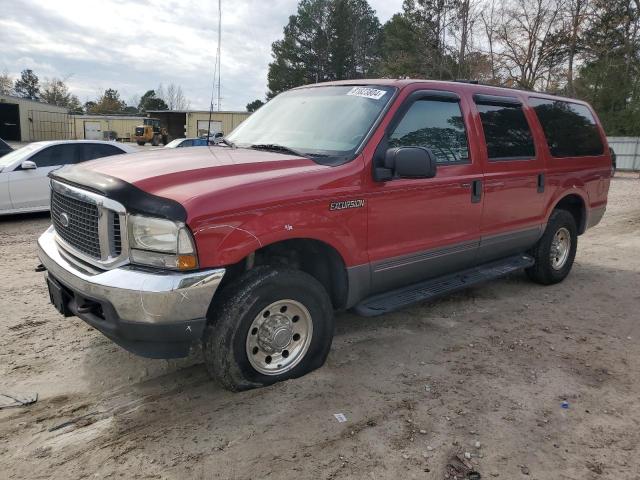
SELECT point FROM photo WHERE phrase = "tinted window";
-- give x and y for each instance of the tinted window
(436, 125)
(187, 143)
(506, 132)
(570, 128)
(97, 150)
(56, 155)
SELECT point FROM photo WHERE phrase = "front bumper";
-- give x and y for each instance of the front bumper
(151, 313)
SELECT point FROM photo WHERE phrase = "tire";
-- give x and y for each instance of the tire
(155, 141)
(140, 142)
(165, 139)
(550, 269)
(243, 326)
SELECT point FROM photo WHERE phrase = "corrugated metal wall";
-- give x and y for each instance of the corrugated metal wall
(230, 120)
(40, 121)
(124, 127)
(627, 152)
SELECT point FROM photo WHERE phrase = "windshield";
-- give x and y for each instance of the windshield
(317, 122)
(20, 154)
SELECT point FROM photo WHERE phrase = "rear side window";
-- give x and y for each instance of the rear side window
(570, 128)
(97, 150)
(63, 154)
(506, 132)
(436, 125)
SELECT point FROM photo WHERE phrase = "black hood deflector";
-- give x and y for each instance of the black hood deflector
(133, 199)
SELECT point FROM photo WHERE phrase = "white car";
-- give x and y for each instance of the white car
(24, 181)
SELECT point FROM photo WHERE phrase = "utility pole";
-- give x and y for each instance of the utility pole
(219, 49)
(216, 71)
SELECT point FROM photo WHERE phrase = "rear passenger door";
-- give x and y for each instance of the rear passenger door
(426, 227)
(29, 189)
(514, 178)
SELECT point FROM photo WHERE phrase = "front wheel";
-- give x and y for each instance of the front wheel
(555, 251)
(140, 142)
(272, 324)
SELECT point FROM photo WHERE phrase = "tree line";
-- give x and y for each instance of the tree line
(589, 49)
(54, 91)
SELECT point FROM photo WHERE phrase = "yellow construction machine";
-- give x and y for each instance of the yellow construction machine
(151, 131)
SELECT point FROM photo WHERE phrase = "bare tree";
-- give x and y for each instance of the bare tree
(575, 18)
(173, 97)
(527, 54)
(488, 17)
(6, 83)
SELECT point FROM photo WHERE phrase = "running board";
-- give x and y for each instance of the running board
(430, 289)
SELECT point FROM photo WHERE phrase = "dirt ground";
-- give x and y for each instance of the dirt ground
(489, 365)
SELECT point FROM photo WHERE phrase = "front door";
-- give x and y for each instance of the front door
(10, 122)
(29, 189)
(514, 178)
(422, 228)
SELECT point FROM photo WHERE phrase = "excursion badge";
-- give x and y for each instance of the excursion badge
(347, 204)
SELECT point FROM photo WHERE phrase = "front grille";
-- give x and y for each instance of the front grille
(117, 238)
(81, 229)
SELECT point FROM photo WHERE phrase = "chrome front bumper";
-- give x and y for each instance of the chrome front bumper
(150, 313)
(136, 295)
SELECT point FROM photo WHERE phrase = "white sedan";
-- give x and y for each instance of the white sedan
(24, 181)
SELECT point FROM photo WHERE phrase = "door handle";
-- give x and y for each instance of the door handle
(476, 191)
(540, 182)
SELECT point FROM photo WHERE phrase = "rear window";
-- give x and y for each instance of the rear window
(570, 128)
(506, 132)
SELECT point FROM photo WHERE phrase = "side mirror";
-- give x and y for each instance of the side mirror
(411, 162)
(28, 165)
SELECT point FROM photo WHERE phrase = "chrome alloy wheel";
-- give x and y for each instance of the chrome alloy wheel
(560, 248)
(279, 337)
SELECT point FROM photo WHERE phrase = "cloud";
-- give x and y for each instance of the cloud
(133, 46)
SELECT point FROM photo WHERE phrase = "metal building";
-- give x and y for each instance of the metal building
(105, 127)
(23, 120)
(193, 123)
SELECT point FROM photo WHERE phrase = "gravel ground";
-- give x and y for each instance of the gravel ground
(490, 365)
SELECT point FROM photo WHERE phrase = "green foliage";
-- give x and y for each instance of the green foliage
(326, 40)
(56, 92)
(255, 105)
(149, 101)
(108, 103)
(28, 85)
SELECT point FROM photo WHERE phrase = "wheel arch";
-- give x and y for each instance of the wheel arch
(316, 257)
(576, 205)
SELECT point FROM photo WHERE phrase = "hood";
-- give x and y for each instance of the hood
(209, 177)
(155, 170)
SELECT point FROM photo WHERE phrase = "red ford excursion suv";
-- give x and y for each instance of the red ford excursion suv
(366, 195)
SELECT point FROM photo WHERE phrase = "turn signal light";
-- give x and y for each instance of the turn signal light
(187, 262)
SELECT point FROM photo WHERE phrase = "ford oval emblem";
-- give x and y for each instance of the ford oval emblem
(64, 219)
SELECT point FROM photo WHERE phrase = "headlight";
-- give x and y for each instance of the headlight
(161, 243)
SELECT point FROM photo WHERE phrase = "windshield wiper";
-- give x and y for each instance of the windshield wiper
(277, 148)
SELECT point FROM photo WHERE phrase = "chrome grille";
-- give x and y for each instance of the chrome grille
(90, 227)
(80, 227)
(117, 238)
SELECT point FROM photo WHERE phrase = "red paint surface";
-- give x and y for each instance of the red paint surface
(239, 200)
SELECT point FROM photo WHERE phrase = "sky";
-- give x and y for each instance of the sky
(133, 46)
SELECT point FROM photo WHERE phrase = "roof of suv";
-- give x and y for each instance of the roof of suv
(466, 85)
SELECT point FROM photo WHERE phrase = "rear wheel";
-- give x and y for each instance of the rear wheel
(555, 251)
(272, 324)
(155, 141)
